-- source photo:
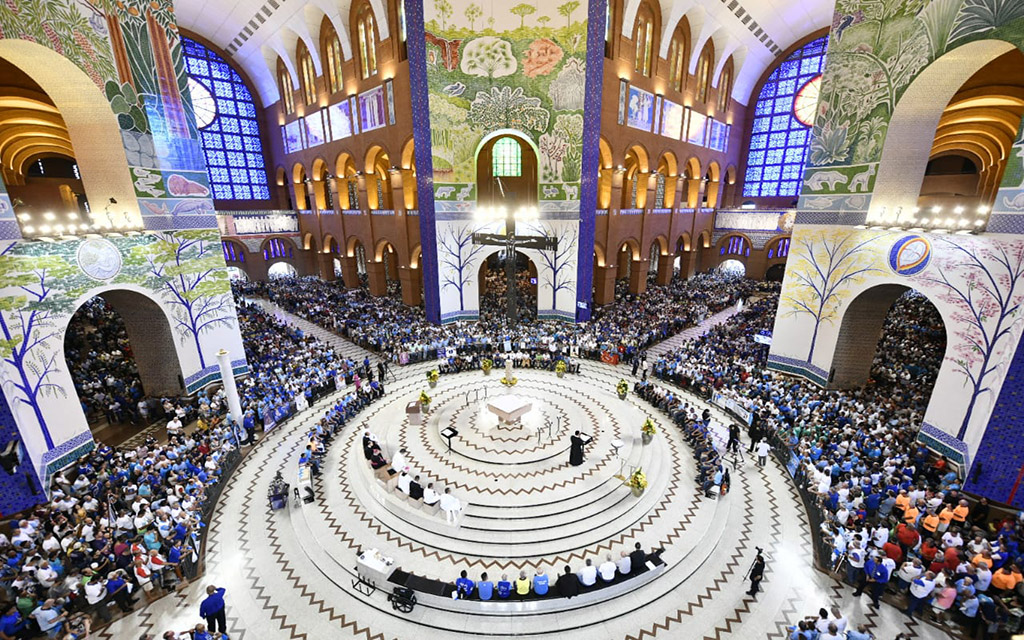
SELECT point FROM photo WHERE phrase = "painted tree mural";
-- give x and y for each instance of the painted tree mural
(187, 268)
(984, 282)
(561, 263)
(32, 344)
(457, 251)
(821, 271)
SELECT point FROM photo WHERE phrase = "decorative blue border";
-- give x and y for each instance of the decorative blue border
(455, 316)
(556, 314)
(67, 446)
(417, 51)
(1005, 223)
(9, 230)
(70, 457)
(211, 374)
(591, 158)
(844, 218)
(800, 368)
(945, 444)
(171, 223)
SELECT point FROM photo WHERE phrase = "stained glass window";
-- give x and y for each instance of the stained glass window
(507, 158)
(779, 140)
(737, 246)
(228, 131)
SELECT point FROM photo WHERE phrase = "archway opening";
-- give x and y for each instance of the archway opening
(974, 137)
(890, 335)
(378, 179)
(120, 352)
(493, 279)
(281, 270)
(507, 174)
(775, 273)
(51, 111)
(236, 274)
(389, 257)
(733, 268)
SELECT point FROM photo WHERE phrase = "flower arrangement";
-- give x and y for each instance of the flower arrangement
(648, 428)
(560, 368)
(424, 398)
(622, 388)
(433, 376)
(637, 481)
(486, 364)
(509, 382)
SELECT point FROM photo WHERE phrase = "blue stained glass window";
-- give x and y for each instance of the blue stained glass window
(779, 173)
(234, 161)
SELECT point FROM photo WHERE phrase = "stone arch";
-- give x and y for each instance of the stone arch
(377, 169)
(600, 254)
(299, 186)
(692, 168)
(683, 242)
(91, 123)
(916, 118)
(331, 245)
(309, 242)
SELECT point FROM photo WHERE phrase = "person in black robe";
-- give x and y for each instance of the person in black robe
(576, 450)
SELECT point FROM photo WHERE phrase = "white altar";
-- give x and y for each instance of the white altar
(510, 409)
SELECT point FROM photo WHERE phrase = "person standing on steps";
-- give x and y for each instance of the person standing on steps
(212, 609)
(576, 449)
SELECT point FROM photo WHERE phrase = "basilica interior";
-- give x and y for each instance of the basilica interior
(405, 319)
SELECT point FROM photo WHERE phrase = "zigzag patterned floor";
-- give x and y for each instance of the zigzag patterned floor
(289, 574)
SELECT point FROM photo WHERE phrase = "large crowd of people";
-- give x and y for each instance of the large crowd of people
(402, 334)
(99, 356)
(894, 518)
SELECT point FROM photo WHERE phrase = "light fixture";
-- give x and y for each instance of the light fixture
(45, 228)
(982, 210)
(30, 229)
(72, 215)
(936, 209)
(958, 210)
(978, 223)
(49, 215)
(24, 217)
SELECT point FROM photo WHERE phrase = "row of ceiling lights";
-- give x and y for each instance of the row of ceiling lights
(932, 219)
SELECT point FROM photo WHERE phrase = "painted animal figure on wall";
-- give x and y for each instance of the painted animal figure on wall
(859, 182)
(822, 178)
(550, 192)
(464, 192)
(572, 191)
(444, 192)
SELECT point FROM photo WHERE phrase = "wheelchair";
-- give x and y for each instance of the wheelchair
(402, 599)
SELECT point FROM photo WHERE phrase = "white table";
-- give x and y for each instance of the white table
(510, 409)
(373, 567)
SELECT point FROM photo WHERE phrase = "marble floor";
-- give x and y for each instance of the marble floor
(291, 573)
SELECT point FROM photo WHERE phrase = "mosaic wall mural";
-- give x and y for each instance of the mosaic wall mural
(875, 51)
(519, 68)
(131, 51)
(43, 283)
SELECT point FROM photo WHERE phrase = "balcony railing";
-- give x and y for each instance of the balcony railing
(259, 222)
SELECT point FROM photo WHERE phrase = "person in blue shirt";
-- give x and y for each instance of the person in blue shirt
(13, 625)
(464, 586)
(504, 587)
(540, 582)
(212, 609)
(485, 588)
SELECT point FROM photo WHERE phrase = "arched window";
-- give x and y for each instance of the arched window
(781, 130)
(703, 75)
(780, 249)
(725, 88)
(507, 158)
(644, 42)
(677, 60)
(609, 27)
(232, 253)
(284, 85)
(402, 30)
(277, 248)
(331, 47)
(308, 74)
(367, 34)
(737, 246)
(228, 130)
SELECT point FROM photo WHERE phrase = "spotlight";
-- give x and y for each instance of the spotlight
(982, 210)
(59, 228)
(72, 215)
(71, 228)
(31, 229)
(49, 215)
(24, 217)
(978, 223)
(958, 210)
(45, 228)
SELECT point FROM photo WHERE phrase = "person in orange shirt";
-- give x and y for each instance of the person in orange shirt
(945, 517)
(930, 522)
(984, 557)
(902, 502)
(961, 511)
(910, 515)
(1007, 578)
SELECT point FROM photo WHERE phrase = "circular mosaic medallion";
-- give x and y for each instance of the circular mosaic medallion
(99, 258)
(910, 255)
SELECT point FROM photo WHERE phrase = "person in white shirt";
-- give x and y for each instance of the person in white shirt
(762, 452)
(607, 569)
(174, 426)
(404, 480)
(982, 577)
(839, 620)
(952, 538)
(588, 574)
(451, 506)
(625, 565)
(430, 496)
(920, 589)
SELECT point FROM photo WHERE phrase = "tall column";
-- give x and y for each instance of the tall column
(227, 376)
(397, 192)
(664, 269)
(604, 285)
(615, 201)
(410, 279)
(311, 202)
(693, 192)
(364, 202)
(378, 279)
(349, 272)
(332, 184)
(712, 190)
(638, 276)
